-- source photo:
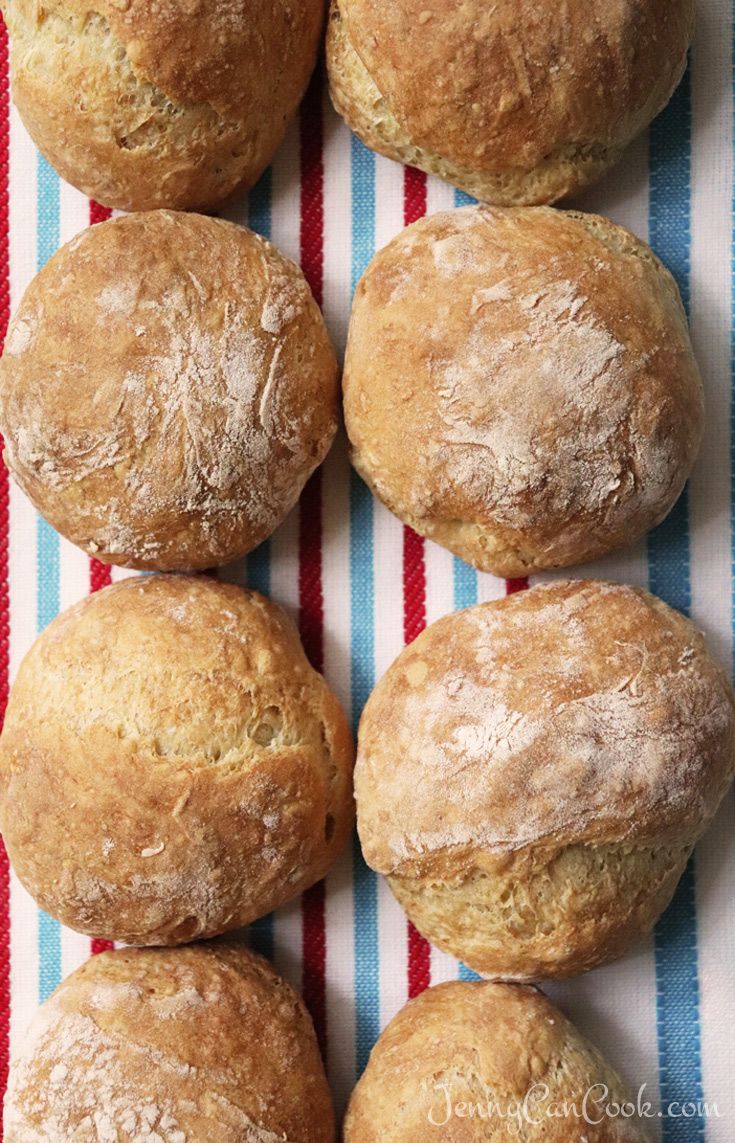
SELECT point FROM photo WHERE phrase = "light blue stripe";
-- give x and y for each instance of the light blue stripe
(47, 555)
(677, 964)
(463, 199)
(465, 585)
(362, 621)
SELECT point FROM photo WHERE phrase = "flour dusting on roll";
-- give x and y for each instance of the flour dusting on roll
(520, 386)
(167, 388)
(533, 774)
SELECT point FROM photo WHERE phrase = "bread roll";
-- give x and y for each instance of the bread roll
(199, 1045)
(518, 102)
(154, 103)
(520, 386)
(167, 388)
(483, 1063)
(533, 774)
(171, 766)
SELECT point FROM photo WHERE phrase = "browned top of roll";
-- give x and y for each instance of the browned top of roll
(503, 85)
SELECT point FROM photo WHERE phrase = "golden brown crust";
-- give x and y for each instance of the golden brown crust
(520, 386)
(167, 388)
(204, 1043)
(532, 774)
(504, 1050)
(151, 103)
(515, 102)
(171, 767)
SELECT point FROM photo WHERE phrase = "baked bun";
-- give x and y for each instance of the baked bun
(501, 1049)
(151, 103)
(516, 102)
(171, 766)
(533, 774)
(167, 387)
(520, 386)
(206, 1043)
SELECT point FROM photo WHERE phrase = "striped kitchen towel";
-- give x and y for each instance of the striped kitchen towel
(360, 584)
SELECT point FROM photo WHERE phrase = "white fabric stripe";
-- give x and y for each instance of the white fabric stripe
(23, 961)
(392, 952)
(337, 226)
(340, 927)
(286, 199)
(22, 209)
(615, 1007)
(710, 532)
(22, 576)
(287, 935)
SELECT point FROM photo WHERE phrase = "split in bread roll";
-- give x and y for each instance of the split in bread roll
(483, 1063)
(167, 388)
(533, 774)
(156, 103)
(171, 766)
(518, 102)
(520, 386)
(205, 1043)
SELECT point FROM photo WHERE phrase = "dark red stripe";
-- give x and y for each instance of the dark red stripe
(98, 213)
(4, 541)
(311, 598)
(514, 585)
(414, 599)
(414, 195)
(97, 945)
(100, 575)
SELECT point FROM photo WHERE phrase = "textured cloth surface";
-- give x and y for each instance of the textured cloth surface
(360, 585)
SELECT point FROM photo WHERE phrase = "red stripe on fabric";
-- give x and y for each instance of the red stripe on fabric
(98, 213)
(4, 541)
(97, 945)
(100, 575)
(311, 598)
(514, 585)
(414, 195)
(414, 599)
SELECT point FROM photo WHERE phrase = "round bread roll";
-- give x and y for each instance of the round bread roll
(533, 774)
(204, 1043)
(167, 387)
(520, 386)
(483, 1063)
(516, 102)
(152, 103)
(171, 766)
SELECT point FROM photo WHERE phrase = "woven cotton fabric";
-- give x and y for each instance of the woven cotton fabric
(360, 585)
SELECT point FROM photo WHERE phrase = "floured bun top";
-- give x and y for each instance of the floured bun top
(518, 102)
(520, 385)
(207, 1043)
(167, 387)
(579, 712)
(160, 103)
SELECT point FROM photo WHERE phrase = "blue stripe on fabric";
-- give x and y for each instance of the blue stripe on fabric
(261, 936)
(362, 623)
(465, 585)
(47, 553)
(676, 952)
(259, 205)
